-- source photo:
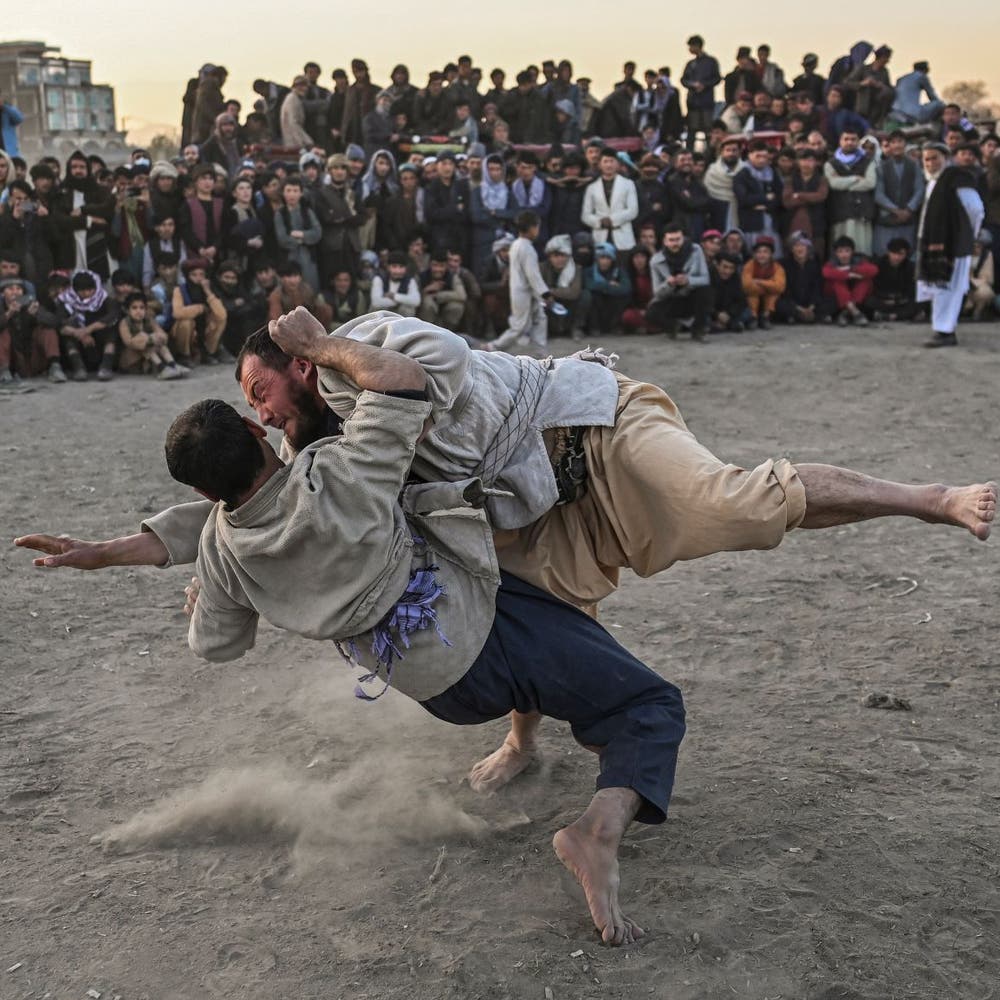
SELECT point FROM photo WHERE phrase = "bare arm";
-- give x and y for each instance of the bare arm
(143, 549)
(377, 369)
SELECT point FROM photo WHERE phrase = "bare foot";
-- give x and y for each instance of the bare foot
(593, 861)
(973, 507)
(499, 767)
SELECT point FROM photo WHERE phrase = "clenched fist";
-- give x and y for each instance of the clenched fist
(297, 332)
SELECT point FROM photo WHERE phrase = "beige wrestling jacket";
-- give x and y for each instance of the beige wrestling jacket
(325, 550)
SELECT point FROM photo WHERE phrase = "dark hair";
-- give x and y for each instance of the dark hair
(843, 241)
(83, 280)
(673, 227)
(696, 40)
(292, 180)
(527, 220)
(18, 185)
(210, 448)
(167, 259)
(727, 258)
(398, 258)
(609, 152)
(756, 145)
(134, 297)
(289, 268)
(123, 277)
(259, 345)
(898, 244)
(439, 257)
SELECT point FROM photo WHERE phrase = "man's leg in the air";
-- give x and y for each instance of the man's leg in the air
(545, 657)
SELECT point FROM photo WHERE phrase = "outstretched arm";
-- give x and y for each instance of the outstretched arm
(300, 334)
(143, 549)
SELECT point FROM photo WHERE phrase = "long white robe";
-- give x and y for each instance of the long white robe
(946, 300)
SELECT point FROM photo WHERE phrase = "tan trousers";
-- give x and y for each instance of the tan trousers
(183, 333)
(654, 496)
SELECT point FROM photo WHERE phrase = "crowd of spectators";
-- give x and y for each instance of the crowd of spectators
(508, 214)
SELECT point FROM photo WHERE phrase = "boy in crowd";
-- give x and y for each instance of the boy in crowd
(396, 290)
(144, 343)
(848, 279)
(729, 304)
(894, 290)
(27, 344)
(802, 301)
(529, 294)
(763, 282)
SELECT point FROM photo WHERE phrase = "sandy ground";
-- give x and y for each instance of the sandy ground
(267, 835)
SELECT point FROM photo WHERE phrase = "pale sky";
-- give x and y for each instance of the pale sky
(148, 50)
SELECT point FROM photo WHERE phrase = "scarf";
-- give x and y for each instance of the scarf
(943, 222)
(849, 160)
(370, 182)
(493, 194)
(531, 198)
(567, 274)
(763, 174)
(79, 308)
(676, 261)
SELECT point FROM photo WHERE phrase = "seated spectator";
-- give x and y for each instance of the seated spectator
(848, 279)
(442, 294)
(763, 283)
(609, 287)
(893, 294)
(165, 240)
(729, 311)
(472, 318)
(87, 327)
(241, 311)
(263, 282)
(161, 291)
(344, 298)
(803, 300)
(144, 343)
(681, 288)
(739, 113)
(291, 291)
(29, 344)
(735, 243)
(634, 317)
(981, 288)
(396, 289)
(565, 283)
(199, 317)
(711, 244)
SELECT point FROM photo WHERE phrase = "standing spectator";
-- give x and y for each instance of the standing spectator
(681, 285)
(771, 76)
(700, 78)
(298, 231)
(724, 207)
(334, 138)
(899, 193)
(90, 210)
(528, 112)
(689, 197)
(743, 78)
(244, 240)
(208, 103)
(809, 81)
(24, 236)
(165, 240)
(609, 287)
(359, 100)
(377, 126)
(446, 207)
(567, 197)
(442, 294)
(317, 101)
(222, 147)
(378, 186)
(763, 282)
(872, 89)
(839, 118)
(615, 119)
(591, 106)
(611, 204)
(201, 218)
(404, 211)
(340, 218)
(10, 119)
(757, 188)
(894, 291)
(852, 177)
(654, 199)
(849, 279)
(951, 217)
(528, 292)
(432, 108)
(490, 212)
(804, 199)
(530, 193)
(293, 117)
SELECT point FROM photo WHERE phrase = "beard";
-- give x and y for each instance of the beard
(311, 419)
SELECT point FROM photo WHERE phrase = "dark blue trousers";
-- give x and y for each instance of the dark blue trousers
(544, 655)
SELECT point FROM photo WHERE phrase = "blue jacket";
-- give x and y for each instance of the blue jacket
(10, 118)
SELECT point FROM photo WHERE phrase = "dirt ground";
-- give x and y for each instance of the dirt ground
(266, 835)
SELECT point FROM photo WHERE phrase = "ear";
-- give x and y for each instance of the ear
(303, 370)
(255, 429)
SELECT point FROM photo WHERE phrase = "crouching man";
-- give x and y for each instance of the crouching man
(408, 587)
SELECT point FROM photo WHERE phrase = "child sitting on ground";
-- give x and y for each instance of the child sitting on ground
(848, 280)
(144, 343)
(763, 282)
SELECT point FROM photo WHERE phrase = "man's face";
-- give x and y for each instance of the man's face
(167, 273)
(731, 153)
(430, 171)
(12, 293)
(761, 101)
(673, 241)
(965, 158)
(989, 148)
(243, 192)
(711, 245)
(417, 248)
(849, 142)
(475, 165)
(266, 277)
(953, 139)
(293, 195)
(759, 158)
(77, 168)
(454, 262)
(434, 87)
(196, 276)
(834, 100)
(950, 116)
(291, 282)
(342, 283)
(896, 257)
(204, 185)
(338, 174)
(816, 142)
(191, 154)
(526, 172)
(123, 291)
(609, 167)
(408, 181)
(933, 161)
(285, 399)
(229, 281)
(446, 169)
(804, 104)
(10, 268)
(17, 198)
(558, 259)
(800, 252)
(647, 237)
(743, 105)
(312, 74)
(439, 269)
(726, 269)
(227, 129)
(397, 272)
(43, 185)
